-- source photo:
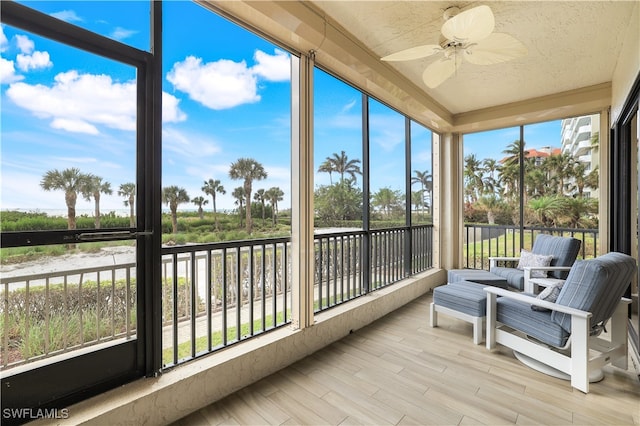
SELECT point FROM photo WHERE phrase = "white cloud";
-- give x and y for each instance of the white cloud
(422, 157)
(346, 121)
(191, 146)
(272, 67)
(122, 33)
(33, 61)
(81, 102)
(24, 43)
(171, 113)
(4, 42)
(67, 15)
(388, 131)
(217, 85)
(8, 72)
(74, 126)
(349, 106)
(226, 84)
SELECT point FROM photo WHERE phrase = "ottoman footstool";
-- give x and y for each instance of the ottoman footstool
(463, 300)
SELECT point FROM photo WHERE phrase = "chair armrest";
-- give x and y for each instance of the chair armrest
(528, 285)
(494, 259)
(521, 297)
(548, 268)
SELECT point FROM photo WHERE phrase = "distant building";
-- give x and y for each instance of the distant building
(538, 154)
(577, 140)
(541, 153)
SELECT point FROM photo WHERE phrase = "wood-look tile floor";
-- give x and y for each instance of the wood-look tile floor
(400, 371)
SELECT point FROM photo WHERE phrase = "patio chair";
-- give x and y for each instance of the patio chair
(563, 339)
(562, 251)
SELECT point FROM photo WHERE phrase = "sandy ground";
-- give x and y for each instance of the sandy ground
(107, 256)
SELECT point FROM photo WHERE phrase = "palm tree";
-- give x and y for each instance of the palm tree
(327, 167)
(582, 179)
(491, 204)
(426, 183)
(595, 141)
(274, 194)
(474, 184)
(239, 194)
(417, 199)
(560, 168)
(173, 196)
(536, 182)
(93, 188)
(490, 182)
(261, 197)
(578, 211)
(386, 199)
(513, 152)
(593, 179)
(548, 208)
(341, 164)
(248, 170)
(210, 188)
(71, 181)
(128, 190)
(200, 201)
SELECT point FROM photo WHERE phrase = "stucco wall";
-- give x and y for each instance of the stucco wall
(628, 65)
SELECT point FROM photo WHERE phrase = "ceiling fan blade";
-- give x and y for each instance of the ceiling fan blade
(413, 53)
(439, 71)
(496, 48)
(470, 26)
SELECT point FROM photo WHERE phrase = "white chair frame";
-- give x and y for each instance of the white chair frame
(586, 355)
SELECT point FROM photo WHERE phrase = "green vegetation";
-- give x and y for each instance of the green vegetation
(554, 186)
(177, 227)
(63, 316)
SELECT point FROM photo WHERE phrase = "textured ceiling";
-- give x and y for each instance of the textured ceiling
(571, 44)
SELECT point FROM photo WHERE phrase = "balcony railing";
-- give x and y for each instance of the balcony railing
(485, 241)
(48, 314)
(213, 295)
(247, 284)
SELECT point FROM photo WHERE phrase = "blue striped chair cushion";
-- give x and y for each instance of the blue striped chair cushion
(595, 285)
(537, 324)
(564, 251)
(514, 277)
(462, 296)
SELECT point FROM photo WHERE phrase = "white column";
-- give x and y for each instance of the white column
(448, 193)
(302, 251)
(603, 183)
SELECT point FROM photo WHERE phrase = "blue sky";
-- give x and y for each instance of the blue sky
(226, 96)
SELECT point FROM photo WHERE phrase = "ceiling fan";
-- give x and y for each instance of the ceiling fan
(469, 35)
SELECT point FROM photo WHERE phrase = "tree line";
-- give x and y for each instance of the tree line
(342, 200)
(74, 182)
(246, 169)
(553, 188)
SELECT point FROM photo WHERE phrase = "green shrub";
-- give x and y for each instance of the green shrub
(42, 321)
